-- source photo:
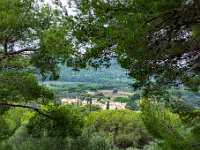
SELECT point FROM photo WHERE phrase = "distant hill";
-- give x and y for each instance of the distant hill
(112, 75)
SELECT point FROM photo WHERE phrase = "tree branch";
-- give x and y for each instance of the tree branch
(194, 145)
(5, 48)
(5, 55)
(28, 107)
(21, 51)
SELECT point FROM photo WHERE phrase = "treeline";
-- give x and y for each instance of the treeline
(74, 87)
(83, 128)
(112, 75)
(74, 128)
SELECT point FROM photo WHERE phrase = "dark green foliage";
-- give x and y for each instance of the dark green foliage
(25, 33)
(116, 128)
(72, 89)
(108, 105)
(3, 109)
(183, 98)
(121, 99)
(135, 97)
(100, 95)
(22, 140)
(27, 21)
(21, 87)
(4, 129)
(91, 107)
(169, 127)
(157, 41)
(31, 41)
(73, 86)
(11, 120)
(132, 103)
(100, 130)
(112, 75)
(63, 121)
(5, 146)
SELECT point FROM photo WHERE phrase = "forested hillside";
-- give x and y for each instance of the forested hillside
(103, 75)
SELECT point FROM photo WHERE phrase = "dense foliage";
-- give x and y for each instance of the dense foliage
(121, 99)
(157, 42)
(118, 128)
(76, 128)
(26, 29)
(169, 128)
(112, 75)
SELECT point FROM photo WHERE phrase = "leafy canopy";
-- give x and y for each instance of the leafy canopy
(157, 41)
(33, 39)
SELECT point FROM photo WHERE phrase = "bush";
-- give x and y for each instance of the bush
(121, 99)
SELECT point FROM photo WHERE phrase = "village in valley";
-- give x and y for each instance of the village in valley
(78, 102)
(106, 88)
(108, 101)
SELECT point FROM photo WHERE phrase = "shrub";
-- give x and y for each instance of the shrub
(121, 99)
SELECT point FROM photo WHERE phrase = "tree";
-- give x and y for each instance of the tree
(108, 105)
(117, 128)
(121, 99)
(169, 127)
(66, 120)
(33, 39)
(157, 41)
(132, 103)
(135, 97)
(30, 28)
(38, 132)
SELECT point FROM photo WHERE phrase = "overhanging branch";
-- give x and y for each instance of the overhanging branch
(5, 55)
(28, 107)
(21, 51)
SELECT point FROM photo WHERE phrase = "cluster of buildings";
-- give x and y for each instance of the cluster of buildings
(78, 102)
